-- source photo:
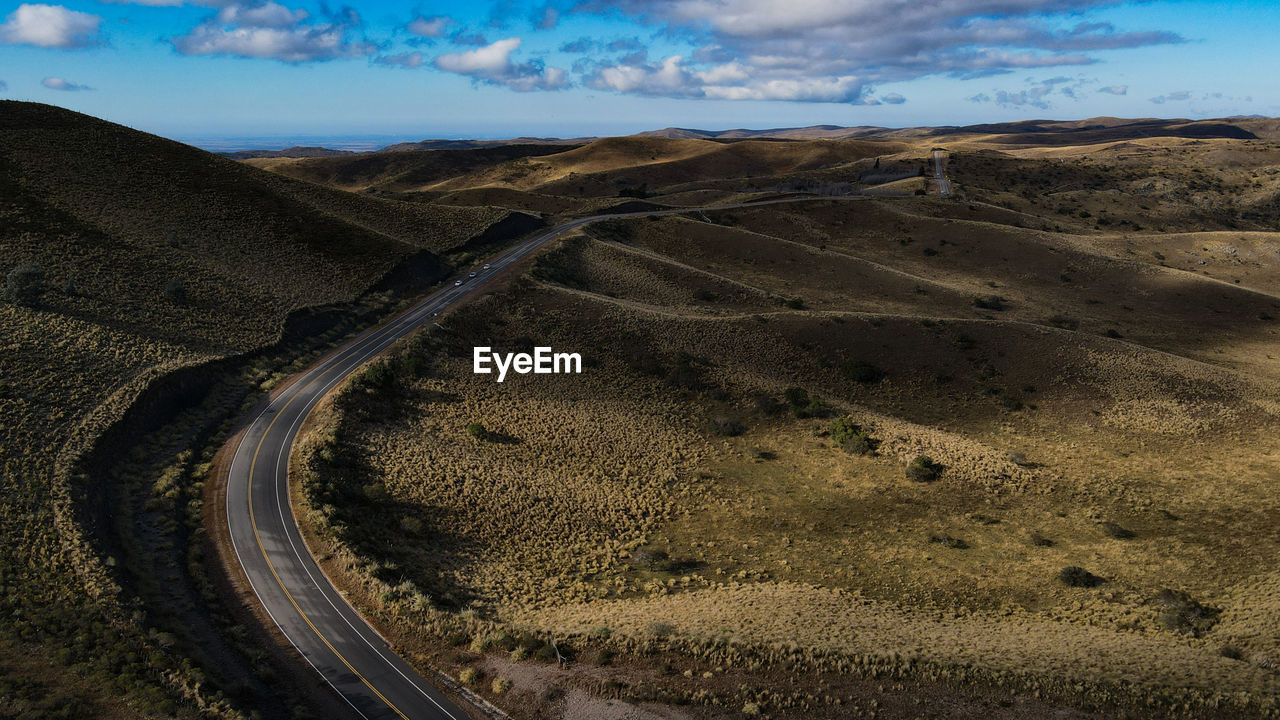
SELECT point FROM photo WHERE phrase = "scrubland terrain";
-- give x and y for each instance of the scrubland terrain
(1007, 454)
(158, 261)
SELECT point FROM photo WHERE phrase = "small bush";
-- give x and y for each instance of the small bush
(477, 431)
(1041, 541)
(851, 438)
(500, 685)
(24, 285)
(946, 540)
(469, 676)
(661, 629)
(1117, 531)
(749, 708)
(990, 302)
(176, 291)
(1178, 612)
(923, 469)
(861, 371)
(796, 397)
(727, 426)
(1075, 576)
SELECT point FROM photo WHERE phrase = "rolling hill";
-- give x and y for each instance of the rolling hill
(156, 261)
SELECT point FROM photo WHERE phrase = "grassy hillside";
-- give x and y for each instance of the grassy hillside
(153, 256)
(850, 455)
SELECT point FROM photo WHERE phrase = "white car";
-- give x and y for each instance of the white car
(472, 275)
(486, 267)
(457, 283)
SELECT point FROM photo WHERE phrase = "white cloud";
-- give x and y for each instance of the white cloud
(494, 58)
(893, 99)
(493, 64)
(50, 26)
(266, 15)
(57, 83)
(834, 50)
(429, 27)
(1115, 90)
(1178, 96)
(271, 31)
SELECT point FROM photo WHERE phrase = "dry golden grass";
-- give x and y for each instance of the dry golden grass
(1078, 419)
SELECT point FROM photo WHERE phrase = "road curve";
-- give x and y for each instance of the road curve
(349, 654)
(944, 185)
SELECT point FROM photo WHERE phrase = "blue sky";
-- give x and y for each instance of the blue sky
(287, 70)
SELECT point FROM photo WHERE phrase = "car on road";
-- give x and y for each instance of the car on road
(457, 283)
(486, 267)
(472, 275)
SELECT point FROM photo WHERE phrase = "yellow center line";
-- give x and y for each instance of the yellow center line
(253, 521)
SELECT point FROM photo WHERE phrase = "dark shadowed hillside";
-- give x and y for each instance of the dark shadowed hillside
(141, 257)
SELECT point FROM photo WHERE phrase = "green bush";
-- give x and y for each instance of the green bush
(477, 431)
(24, 285)
(923, 469)
(861, 371)
(175, 290)
(851, 437)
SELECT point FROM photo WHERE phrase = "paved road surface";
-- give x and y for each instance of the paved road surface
(312, 614)
(944, 185)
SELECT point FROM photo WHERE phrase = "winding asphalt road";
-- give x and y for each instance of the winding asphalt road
(349, 654)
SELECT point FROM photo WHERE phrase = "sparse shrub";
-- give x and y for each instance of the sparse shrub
(411, 525)
(1065, 323)
(751, 709)
(861, 371)
(990, 302)
(1041, 541)
(661, 629)
(767, 404)
(923, 469)
(375, 492)
(176, 291)
(477, 431)
(796, 397)
(946, 540)
(1019, 459)
(727, 426)
(379, 375)
(794, 303)
(686, 373)
(1011, 403)
(500, 685)
(1076, 576)
(1178, 612)
(469, 676)
(1118, 532)
(851, 438)
(24, 285)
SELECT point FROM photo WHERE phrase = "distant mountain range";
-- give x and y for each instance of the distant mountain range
(1065, 132)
